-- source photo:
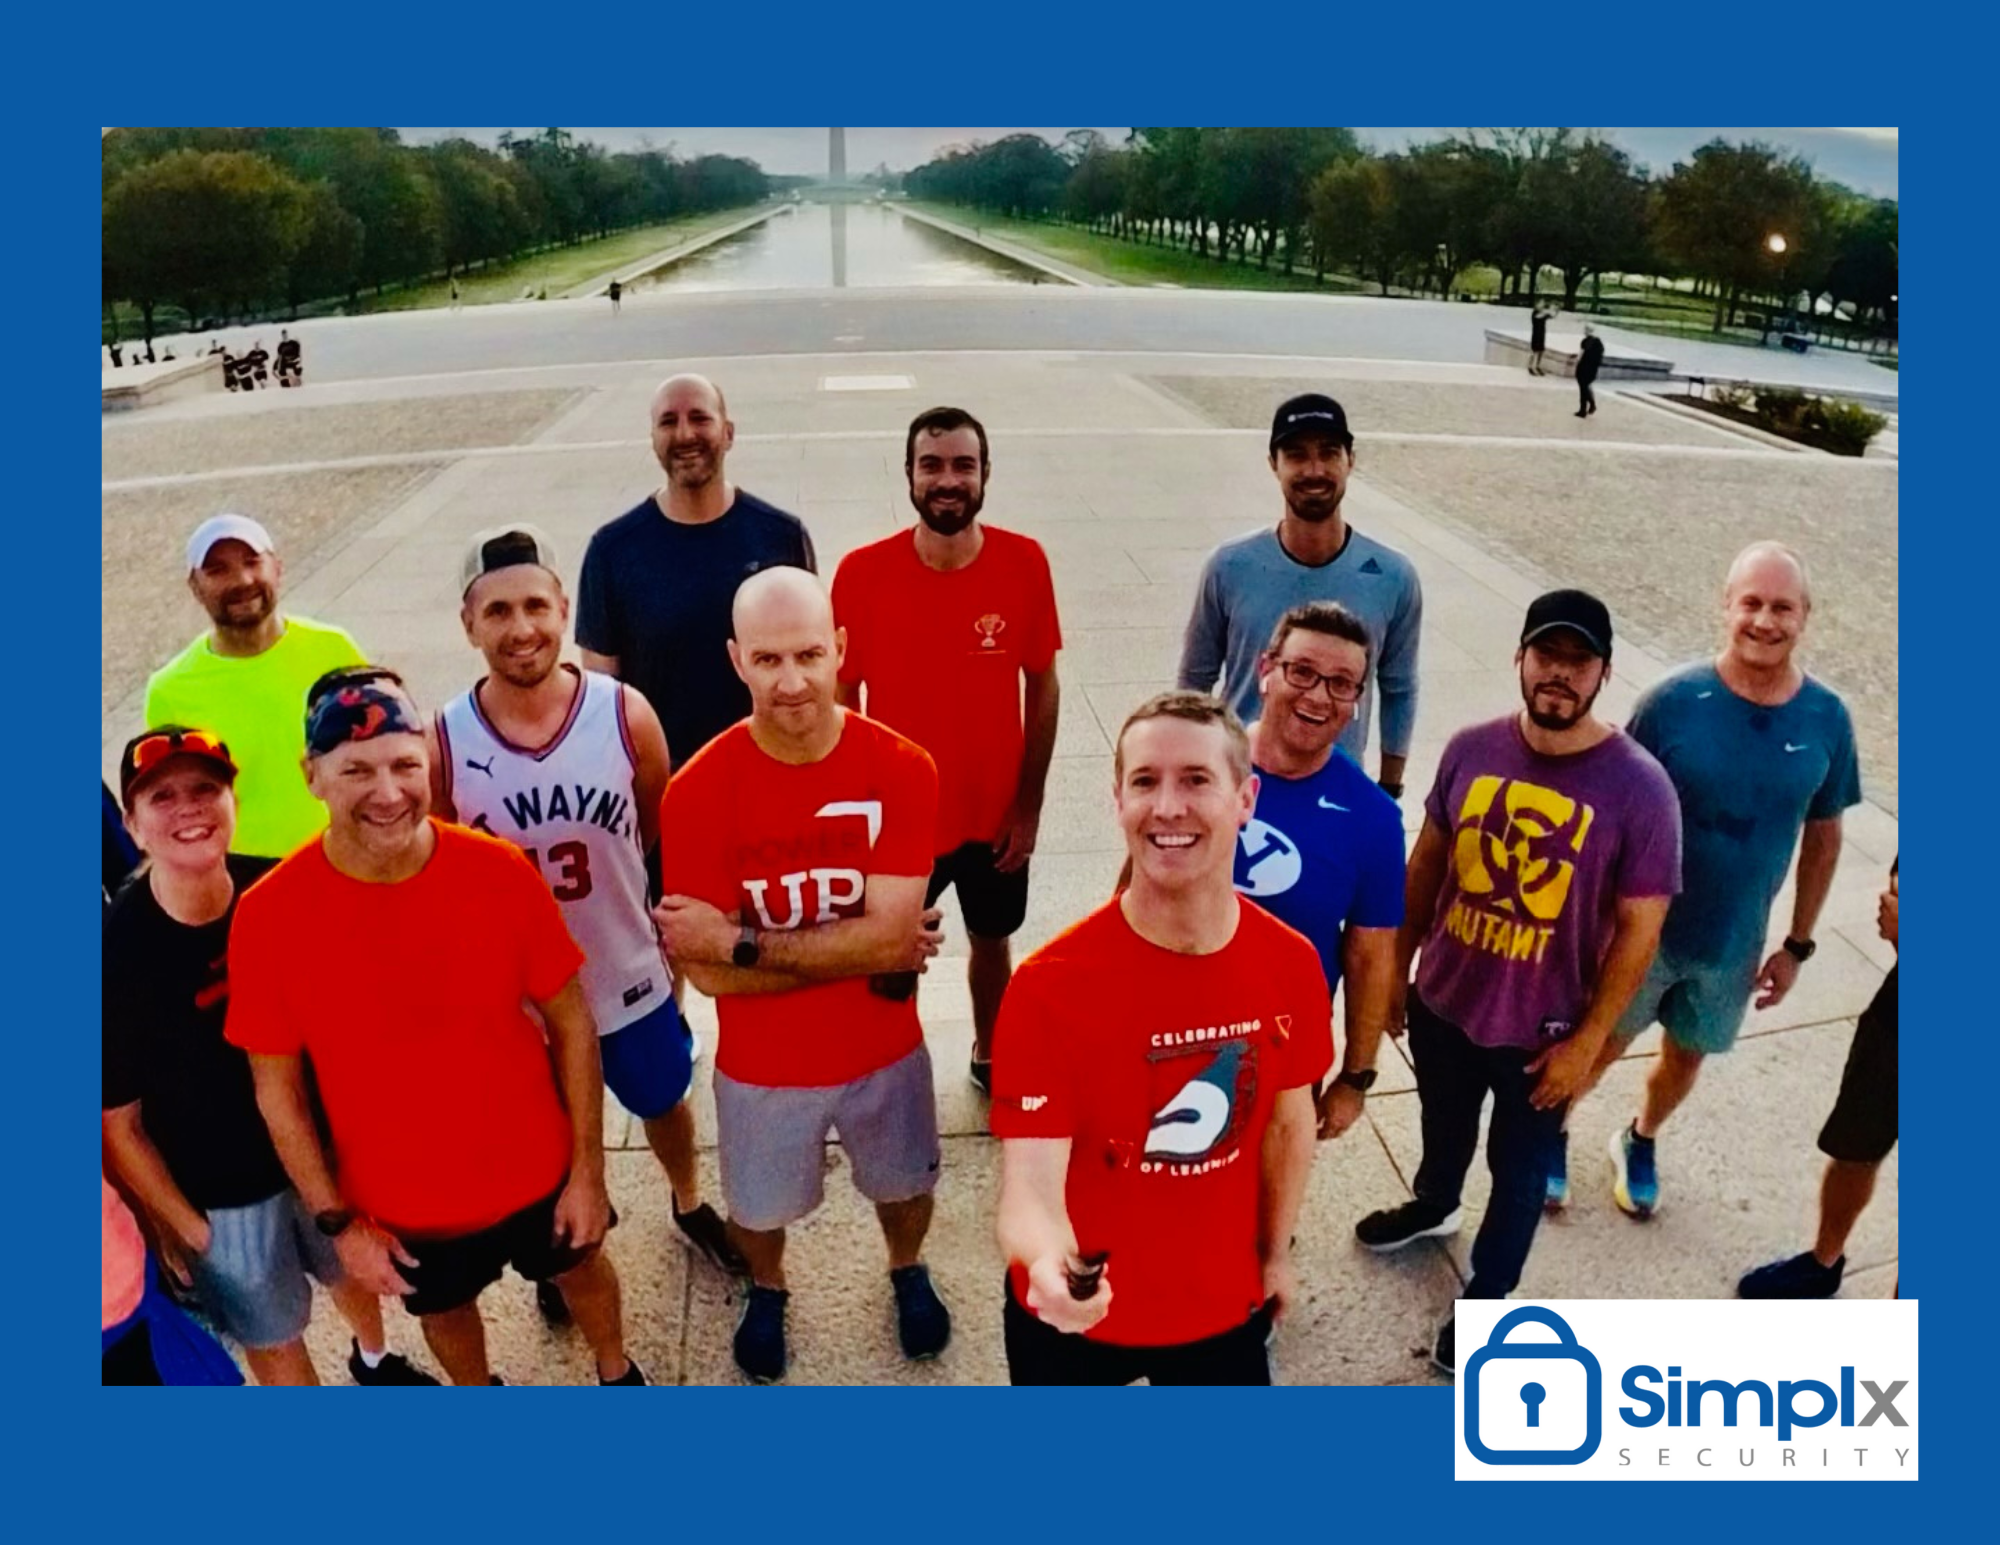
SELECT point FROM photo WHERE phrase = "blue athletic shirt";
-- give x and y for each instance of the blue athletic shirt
(1748, 777)
(1323, 852)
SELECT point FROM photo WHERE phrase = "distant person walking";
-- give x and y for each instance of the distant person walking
(456, 300)
(616, 289)
(1538, 338)
(291, 361)
(1589, 358)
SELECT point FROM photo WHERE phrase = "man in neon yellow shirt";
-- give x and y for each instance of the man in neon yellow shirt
(246, 679)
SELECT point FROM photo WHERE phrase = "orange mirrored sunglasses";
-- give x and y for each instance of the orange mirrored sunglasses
(155, 749)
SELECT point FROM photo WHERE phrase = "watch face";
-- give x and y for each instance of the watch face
(745, 953)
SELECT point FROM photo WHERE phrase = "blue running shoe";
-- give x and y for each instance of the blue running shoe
(923, 1324)
(760, 1334)
(1635, 1184)
(1557, 1196)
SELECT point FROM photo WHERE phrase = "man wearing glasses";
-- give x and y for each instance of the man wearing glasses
(1312, 554)
(1324, 851)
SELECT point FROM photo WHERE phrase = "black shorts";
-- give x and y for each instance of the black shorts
(1040, 1354)
(450, 1273)
(1862, 1128)
(993, 903)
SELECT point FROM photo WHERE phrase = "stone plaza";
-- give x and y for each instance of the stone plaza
(1129, 440)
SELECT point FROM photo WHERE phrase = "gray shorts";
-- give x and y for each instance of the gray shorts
(252, 1277)
(771, 1143)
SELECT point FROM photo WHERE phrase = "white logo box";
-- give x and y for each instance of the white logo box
(1686, 1390)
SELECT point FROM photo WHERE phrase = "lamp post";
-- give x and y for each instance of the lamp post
(1776, 245)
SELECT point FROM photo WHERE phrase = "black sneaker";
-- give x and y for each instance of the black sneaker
(554, 1307)
(760, 1334)
(633, 1374)
(923, 1324)
(394, 1368)
(1444, 1355)
(1801, 1276)
(1394, 1227)
(705, 1232)
(981, 1074)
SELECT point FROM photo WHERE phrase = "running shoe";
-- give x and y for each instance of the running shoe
(1635, 1184)
(760, 1334)
(704, 1232)
(633, 1374)
(394, 1368)
(923, 1324)
(1394, 1227)
(1801, 1276)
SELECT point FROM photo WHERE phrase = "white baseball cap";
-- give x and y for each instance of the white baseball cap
(226, 528)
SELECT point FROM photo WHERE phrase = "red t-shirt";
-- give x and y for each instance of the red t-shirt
(410, 1000)
(1162, 1070)
(791, 846)
(941, 655)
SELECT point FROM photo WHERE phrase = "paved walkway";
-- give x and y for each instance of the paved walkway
(1129, 467)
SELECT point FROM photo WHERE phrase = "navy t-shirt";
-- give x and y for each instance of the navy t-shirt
(1323, 852)
(656, 595)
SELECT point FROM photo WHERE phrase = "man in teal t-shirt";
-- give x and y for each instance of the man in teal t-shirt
(246, 679)
(1764, 761)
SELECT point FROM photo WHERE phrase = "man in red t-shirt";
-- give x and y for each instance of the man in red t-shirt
(952, 632)
(1153, 1091)
(397, 953)
(794, 850)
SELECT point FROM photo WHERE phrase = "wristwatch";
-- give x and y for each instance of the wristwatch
(1800, 950)
(746, 952)
(1361, 1081)
(334, 1221)
(1393, 790)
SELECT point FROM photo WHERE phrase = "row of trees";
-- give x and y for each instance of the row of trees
(1517, 200)
(227, 222)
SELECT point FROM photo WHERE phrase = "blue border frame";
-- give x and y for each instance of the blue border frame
(971, 1464)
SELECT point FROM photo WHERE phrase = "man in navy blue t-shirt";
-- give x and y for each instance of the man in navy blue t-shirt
(658, 582)
(1324, 851)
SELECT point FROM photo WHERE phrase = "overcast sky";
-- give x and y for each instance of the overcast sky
(1862, 158)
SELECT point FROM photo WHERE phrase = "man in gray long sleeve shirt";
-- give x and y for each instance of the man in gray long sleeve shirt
(1313, 555)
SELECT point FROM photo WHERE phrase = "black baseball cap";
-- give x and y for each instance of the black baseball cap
(1313, 413)
(149, 751)
(1577, 610)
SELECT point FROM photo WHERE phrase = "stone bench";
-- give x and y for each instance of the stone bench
(1506, 346)
(143, 386)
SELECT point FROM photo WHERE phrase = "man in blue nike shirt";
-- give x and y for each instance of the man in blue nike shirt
(1324, 851)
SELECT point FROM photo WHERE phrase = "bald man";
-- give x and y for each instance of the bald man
(653, 606)
(794, 853)
(1763, 759)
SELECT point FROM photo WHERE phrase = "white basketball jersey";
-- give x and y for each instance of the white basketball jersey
(572, 807)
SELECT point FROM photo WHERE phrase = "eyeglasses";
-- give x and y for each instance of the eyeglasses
(1303, 678)
(155, 749)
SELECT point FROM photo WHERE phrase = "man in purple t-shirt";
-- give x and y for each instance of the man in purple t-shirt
(1551, 847)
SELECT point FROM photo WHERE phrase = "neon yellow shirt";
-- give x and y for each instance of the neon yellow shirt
(257, 705)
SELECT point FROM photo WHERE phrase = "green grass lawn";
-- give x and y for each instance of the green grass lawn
(557, 270)
(1131, 263)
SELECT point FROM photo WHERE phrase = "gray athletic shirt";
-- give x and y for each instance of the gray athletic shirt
(1249, 583)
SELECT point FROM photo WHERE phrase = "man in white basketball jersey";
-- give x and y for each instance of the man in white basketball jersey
(570, 765)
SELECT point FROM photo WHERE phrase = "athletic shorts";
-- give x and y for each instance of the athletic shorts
(1862, 1128)
(1038, 1353)
(771, 1143)
(1700, 1006)
(649, 1064)
(252, 1278)
(993, 904)
(450, 1273)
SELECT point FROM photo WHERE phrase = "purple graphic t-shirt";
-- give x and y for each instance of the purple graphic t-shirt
(1542, 850)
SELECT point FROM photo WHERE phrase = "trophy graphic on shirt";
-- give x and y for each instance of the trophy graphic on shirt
(989, 628)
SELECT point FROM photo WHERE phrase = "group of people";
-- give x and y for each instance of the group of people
(365, 995)
(252, 369)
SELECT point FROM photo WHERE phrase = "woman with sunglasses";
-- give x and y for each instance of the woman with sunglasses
(182, 1132)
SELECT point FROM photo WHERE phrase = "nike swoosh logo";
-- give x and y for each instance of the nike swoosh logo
(1790, 747)
(1327, 804)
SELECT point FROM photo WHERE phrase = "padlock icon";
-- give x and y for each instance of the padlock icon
(1533, 1402)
